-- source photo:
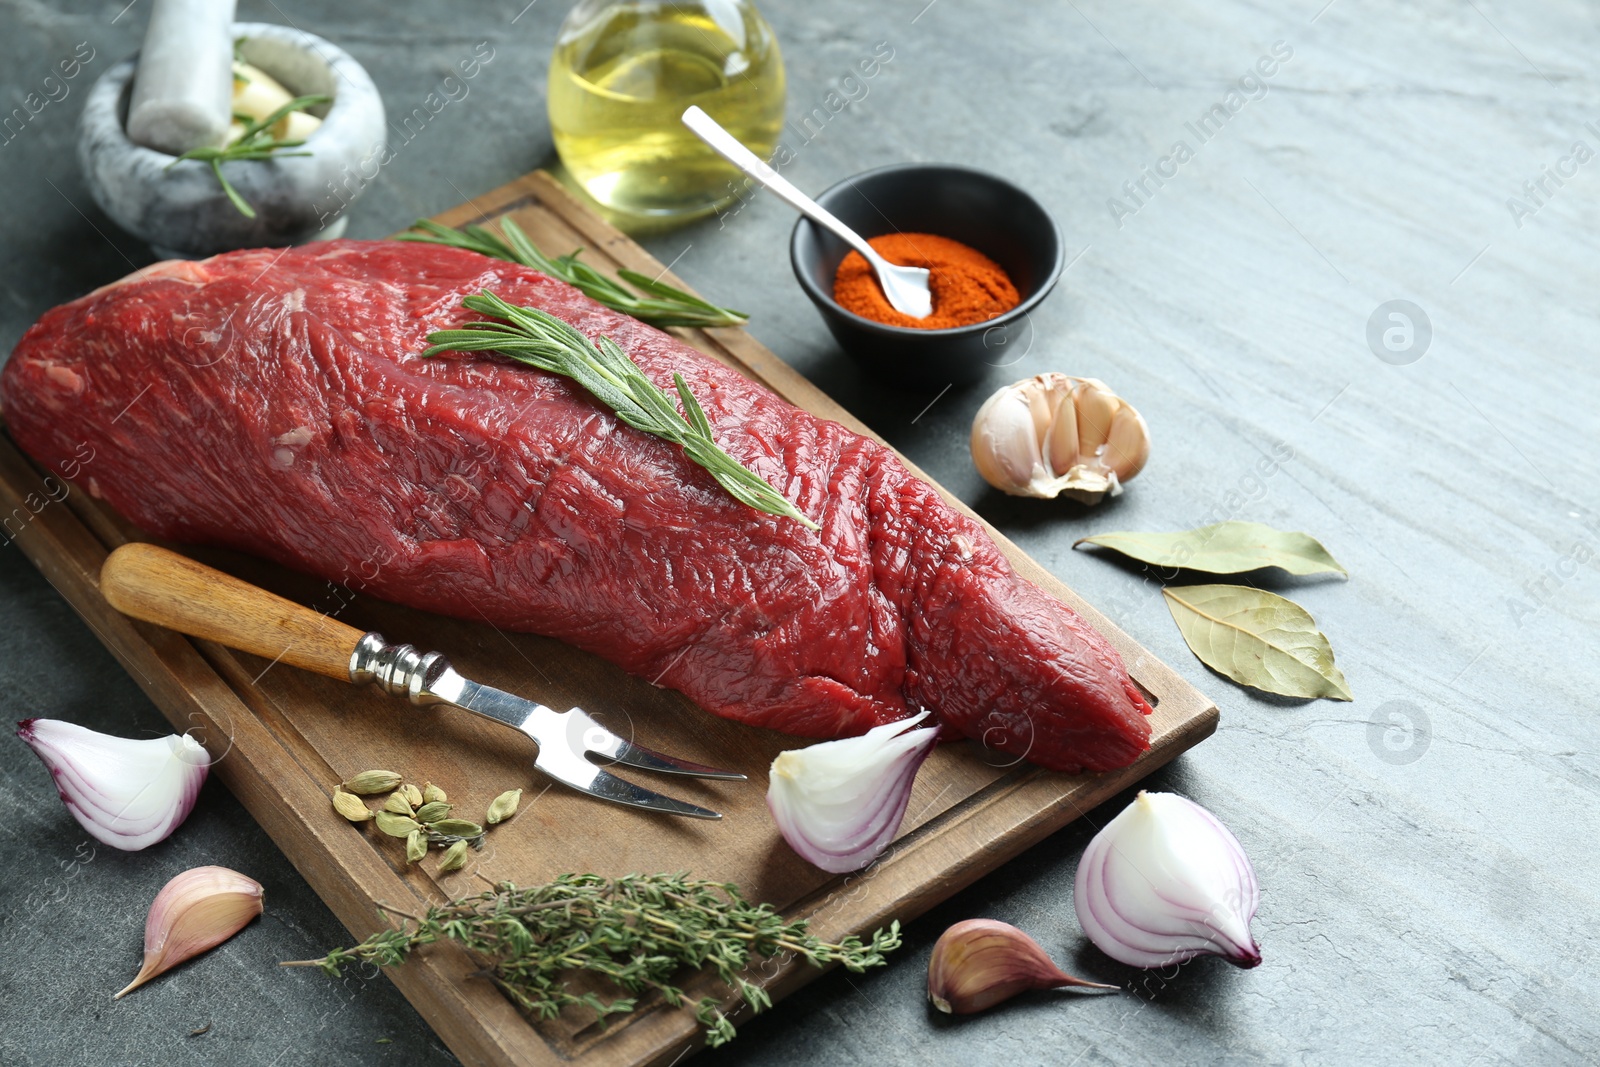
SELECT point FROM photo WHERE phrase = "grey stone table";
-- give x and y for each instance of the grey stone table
(1427, 854)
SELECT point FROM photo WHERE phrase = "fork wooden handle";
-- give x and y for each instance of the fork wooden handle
(150, 583)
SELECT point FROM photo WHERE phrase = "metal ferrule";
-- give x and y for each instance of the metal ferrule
(399, 669)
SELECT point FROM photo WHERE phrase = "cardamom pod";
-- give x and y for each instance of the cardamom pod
(503, 806)
(454, 858)
(432, 794)
(413, 794)
(396, 825)
(398, 804)
(368, 783)
(432, 811)
(416, 846)
(350, 806)
(456, 828)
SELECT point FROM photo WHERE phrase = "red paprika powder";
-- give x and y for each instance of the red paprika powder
(967, 286)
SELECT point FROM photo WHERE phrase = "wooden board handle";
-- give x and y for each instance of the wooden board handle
(150, 583)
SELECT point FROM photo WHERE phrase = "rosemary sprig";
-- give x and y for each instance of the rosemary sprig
(662, 306)
(636, 932)
(541, 340)
(253, 143)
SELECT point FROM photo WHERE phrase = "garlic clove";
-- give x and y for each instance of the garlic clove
(978, 963)
(1004, 440)
(1127, 444)
(1096, 406)
(1080, 440)
(1062, 436)
(194, 913)
(129, 794)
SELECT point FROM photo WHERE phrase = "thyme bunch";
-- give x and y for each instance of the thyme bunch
(662, 305)
(541, 340)
(638, 933)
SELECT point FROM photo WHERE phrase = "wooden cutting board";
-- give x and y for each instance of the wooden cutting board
(282, 738)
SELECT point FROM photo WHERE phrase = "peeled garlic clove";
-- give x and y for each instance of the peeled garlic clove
(194, 913)
(980, 962)
(1164, 882)
(127, 793)
(1081, 439)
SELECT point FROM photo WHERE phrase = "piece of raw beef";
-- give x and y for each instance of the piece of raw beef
(277, 402)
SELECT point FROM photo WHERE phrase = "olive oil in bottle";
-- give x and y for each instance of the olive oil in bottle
(622, 74)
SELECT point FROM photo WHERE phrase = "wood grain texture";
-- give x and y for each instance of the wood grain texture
(157, 585)
(287, 736)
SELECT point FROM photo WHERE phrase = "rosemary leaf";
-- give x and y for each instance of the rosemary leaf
(254, 143)
(638, 933)
(664, 305)
(541, 340)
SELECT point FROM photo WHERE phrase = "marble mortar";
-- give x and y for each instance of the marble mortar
(183, 213)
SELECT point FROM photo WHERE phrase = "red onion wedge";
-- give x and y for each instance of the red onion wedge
(839, 803)
(128, 794)
(1165, 882)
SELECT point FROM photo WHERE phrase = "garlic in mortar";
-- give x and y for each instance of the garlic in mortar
(1056, 435)
(194, 913)
(1164, 882)
(128, 794)
(980, 962)
(839, 803)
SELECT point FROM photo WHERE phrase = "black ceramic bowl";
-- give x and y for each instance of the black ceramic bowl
(966, 205)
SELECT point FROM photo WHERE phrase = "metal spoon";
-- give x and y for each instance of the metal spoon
(906, 287)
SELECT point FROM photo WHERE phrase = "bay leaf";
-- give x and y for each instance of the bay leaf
(1257, 638)
(1224, 548)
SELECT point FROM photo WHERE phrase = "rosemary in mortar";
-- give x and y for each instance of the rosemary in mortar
(663, 305)
(636, 932)
(253, 143)
(539, 339)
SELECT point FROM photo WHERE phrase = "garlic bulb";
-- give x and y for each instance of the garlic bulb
(1056, 435)
(980, 962)
(839, 803)
(1164, 882)
(194, 913)
(128, 794)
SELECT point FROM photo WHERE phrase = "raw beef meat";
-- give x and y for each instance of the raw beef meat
(276, 402)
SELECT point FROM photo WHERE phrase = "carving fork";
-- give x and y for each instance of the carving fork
(150, 583)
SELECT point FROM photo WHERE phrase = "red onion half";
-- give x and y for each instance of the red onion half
(839, 803)
(1164, 882)
(128, 794)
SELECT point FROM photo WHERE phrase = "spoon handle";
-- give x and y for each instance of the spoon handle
(728, 147)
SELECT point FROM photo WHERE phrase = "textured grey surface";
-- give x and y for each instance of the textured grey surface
(1428, 894)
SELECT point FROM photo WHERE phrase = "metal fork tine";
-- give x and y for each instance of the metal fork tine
(650, 760)
(602, 742)
(609, 787)
(570, 768)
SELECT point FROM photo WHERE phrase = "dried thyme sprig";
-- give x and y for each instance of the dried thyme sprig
(663, 305)
(541, 340)
(637, 932)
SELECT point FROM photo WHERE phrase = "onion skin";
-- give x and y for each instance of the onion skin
(128, 794)
(839, 803)
(1164, 882)
(978, 963)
